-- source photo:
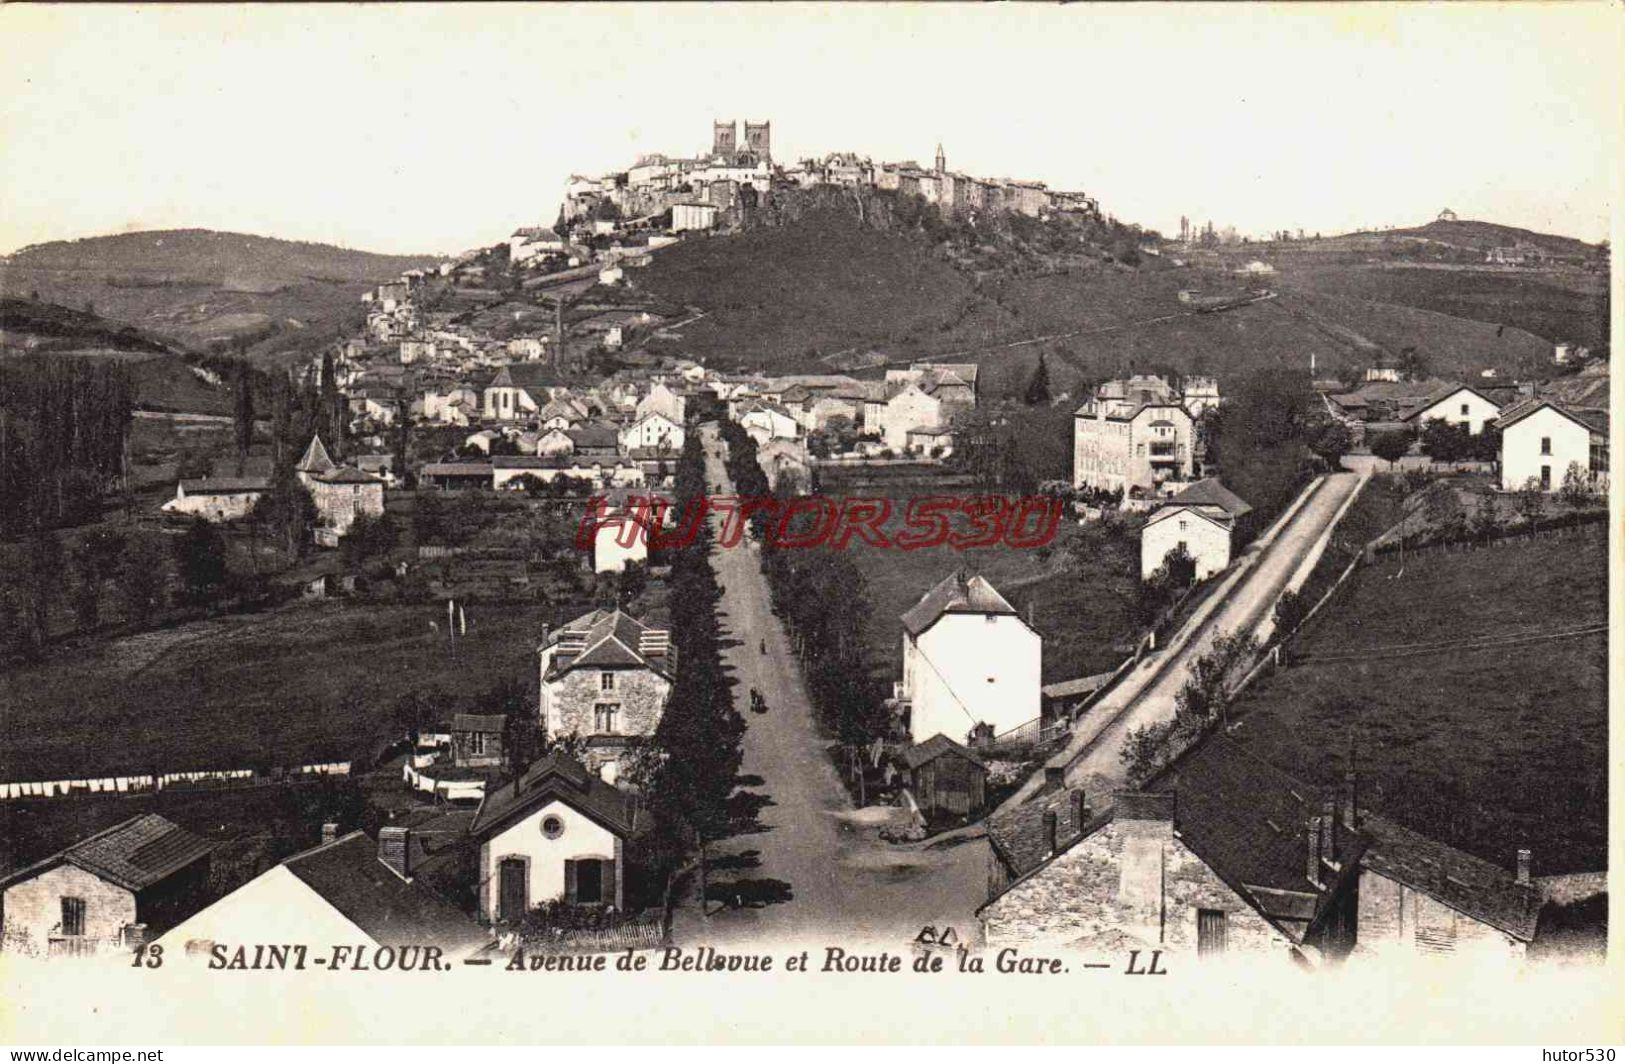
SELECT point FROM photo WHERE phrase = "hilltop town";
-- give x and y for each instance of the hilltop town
(447, 659)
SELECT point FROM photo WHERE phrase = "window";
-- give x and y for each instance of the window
(1463, 409)
(476, 742)
(552, 826)
(603, 717)
(73, 917)
(606, 681)
(1211, 928)
(1545, 478)
(1545, 445)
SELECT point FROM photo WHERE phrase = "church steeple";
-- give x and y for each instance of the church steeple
(942, 159)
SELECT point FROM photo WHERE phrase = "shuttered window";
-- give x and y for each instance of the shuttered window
(1211, 931)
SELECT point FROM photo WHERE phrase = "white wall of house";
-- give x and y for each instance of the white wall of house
(651, 431)
(1398, 919)
(908, 409)
(508, 403)
(212, 506)
(1207, 541)
(581, 839)
(766, 425)
(968, 669)
(1540, 447)
(275, 906)
(608, 554)
(1461, 408)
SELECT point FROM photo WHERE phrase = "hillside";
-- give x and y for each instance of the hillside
(163, 378)
(197, 287)
(1481, 236)
(820, 290)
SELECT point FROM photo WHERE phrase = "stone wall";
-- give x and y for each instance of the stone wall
(1397, 918)
(1135, 877)
(640, 695)
(33, 908)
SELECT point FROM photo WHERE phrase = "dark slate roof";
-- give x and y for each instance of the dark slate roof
(1247, 817)
(1439, 395)
(225, 485)
(555, 777)
(958, 592)
(133, 854)
(316, 459)
(348, 875)
(528, 375)
(594, 435)
(478, 722)
(935, 747)
(457, 469)
(347, 475)
(1596, 421)
(609, 639)
(1210, 492)
(1018, 837)
(139, 852)
(1486, 892)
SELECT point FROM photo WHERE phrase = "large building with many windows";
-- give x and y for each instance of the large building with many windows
(1132, 436)
(605, 678)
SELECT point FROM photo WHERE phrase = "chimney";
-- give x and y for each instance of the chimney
(1328, 828)
(1080, 811)
(395, 850)
(1313, 835)
(1525, 858)
(1054, 778)
(1049, 831)
(1351, 801)
(330, 832)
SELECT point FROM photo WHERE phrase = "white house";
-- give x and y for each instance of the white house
(348, 891)
(107, 893)
(1201, 519)
(661, 400)
(621, 540)
(556, 833)
(1540, 440)
(686, 216)
(217, 498)
(1458, 404)
(650, 432)
(768, 421)
(968, 659)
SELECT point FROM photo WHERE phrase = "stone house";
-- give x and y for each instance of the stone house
(605, 677)
(344, 495)
(476, 740)
(1202, 519)
(110, 892)
(652, 431)
(555, 833)
(1131, 436)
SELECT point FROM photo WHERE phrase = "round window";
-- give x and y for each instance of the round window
(552, 827)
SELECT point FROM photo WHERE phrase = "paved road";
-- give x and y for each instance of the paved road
(1093, 757)
(843, 880)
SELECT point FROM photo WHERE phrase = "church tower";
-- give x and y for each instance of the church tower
(724, 138)
(942, 160)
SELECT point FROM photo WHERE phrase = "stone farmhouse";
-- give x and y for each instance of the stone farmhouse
(604, 677)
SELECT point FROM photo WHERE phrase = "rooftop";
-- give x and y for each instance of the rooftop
(555, 777)
(958, 592)
(392, 911)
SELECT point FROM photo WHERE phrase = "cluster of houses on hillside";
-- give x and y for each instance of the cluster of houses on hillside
(738, 175)
(1547, 429)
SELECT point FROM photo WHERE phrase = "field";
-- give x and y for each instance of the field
(1487, 747)
(1084, 616)
(300, 684)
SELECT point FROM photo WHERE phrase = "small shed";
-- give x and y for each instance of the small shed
(476, 740)
(946, 778)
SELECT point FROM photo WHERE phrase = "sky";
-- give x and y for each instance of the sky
(424, 129)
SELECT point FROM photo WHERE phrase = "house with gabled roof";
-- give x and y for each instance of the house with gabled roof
(556, 833)
(1456, 404)
(1541, 440)
(315, 462)
(217, 498)
(1131, 436)
(605, 677)
(1201, 519)
(946, 779)
(347, 891)
(110, 892)
(969, 661)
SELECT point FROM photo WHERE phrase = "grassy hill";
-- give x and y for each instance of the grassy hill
(197, 287)
(164, 379)
(1474, 688)
(822, 288)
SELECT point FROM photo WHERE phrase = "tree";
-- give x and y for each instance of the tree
(1330, 439)
(44, 572)
(368, 537)
(1531, 500)
(1391, 446)
(1038, 386)
(1290, 611)
(243, 415)
(1576, 486)
(200, 560)
(141, 579)
(1446, 442)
